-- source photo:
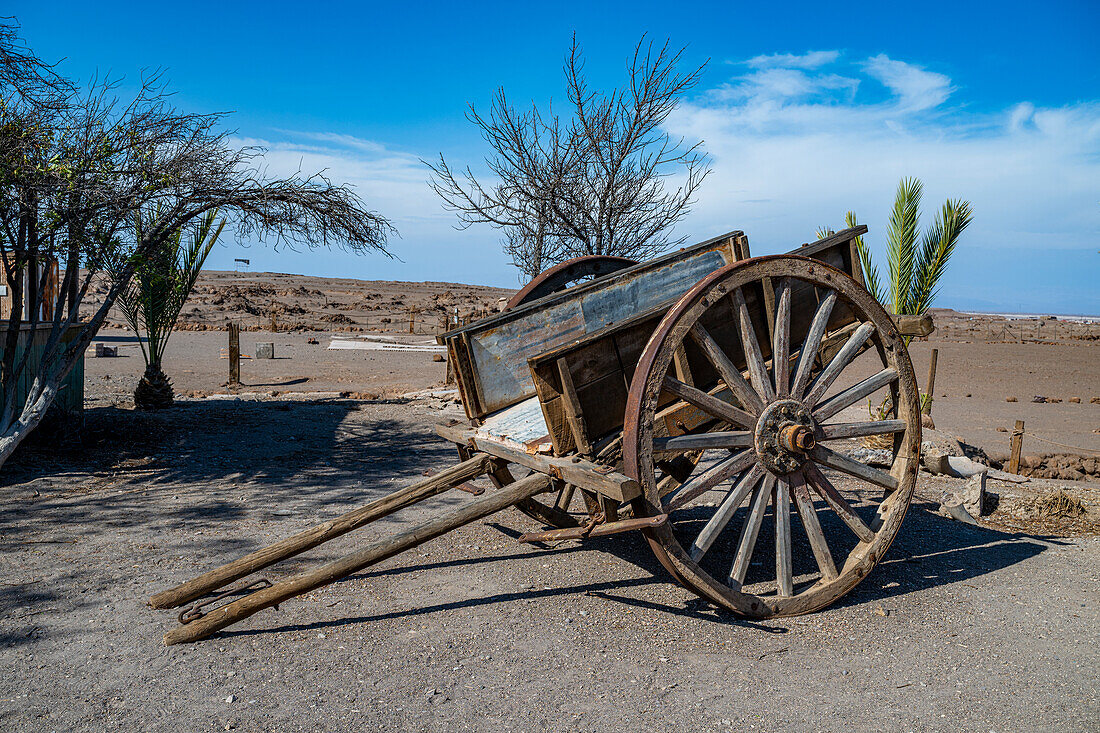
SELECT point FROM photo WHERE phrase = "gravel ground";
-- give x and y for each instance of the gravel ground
(959, 628)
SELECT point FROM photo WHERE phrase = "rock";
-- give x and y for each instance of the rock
(1074, 400)
(1054, 400)
(935, 450)
(231, 698)
(1095, 401)
(1002, 430)
(439, 357)
(1039, 398)
(872, 456)
(963, 467)
(971, 498)
(926, 422)
(1011, 399)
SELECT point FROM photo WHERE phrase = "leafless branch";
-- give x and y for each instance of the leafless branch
(594, 184)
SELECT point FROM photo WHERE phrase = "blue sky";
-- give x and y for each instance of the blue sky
(806, 112)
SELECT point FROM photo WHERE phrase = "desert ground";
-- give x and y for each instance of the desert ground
(977, 628)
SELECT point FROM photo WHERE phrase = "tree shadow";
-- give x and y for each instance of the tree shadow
(206, 462)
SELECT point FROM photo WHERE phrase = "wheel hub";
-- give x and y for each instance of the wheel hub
(784, 435)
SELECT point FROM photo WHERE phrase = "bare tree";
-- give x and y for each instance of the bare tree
(77, 167)
(592, 184)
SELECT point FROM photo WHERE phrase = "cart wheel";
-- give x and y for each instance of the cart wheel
(779, 447)
(552, 280)
(563, 275)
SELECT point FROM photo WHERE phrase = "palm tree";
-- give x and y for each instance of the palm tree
(915, 268)
(916, 262)
(153, 301)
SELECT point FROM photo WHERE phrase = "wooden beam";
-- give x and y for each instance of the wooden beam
(1017, 447)
(375, 552)
(314, 536)
(578, 471)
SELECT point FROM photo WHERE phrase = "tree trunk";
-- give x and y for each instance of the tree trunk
(32, 415)
(154, 391)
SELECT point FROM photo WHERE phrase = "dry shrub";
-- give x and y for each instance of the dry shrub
(1059, 505)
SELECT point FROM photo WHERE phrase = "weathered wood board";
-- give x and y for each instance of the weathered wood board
(491, 355)
(601, 364)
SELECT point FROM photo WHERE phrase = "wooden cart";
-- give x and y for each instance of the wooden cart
(612, 396)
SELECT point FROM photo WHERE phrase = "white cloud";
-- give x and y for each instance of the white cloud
(390, 182)
(794, 149)
(915, 88)
(811, 60)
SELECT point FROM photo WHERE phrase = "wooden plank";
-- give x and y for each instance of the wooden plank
(501, 345)
(750, 530)
(580, 472)
(572, 407)
(810, 523)
(375, 552)
(310, 538)
(783, 579)
(522, 423)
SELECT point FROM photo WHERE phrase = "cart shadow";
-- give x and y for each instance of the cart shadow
(929, 552)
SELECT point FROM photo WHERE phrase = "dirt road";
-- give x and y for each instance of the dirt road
(960, 628)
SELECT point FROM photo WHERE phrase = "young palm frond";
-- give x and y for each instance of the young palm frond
(914, 272)
(936, 249)
(156, 295)
(871, 278)
(901, 242)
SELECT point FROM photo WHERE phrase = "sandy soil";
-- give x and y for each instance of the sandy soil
(959, 628)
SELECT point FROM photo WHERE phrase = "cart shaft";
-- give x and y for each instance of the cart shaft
(373, 553)
(310, 538)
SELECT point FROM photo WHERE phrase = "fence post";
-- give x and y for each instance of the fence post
(1017, 447)
(234, 354)
(931, 384)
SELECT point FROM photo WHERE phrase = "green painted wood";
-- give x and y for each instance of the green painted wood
(70, 397)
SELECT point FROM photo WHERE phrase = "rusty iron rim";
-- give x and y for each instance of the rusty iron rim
(561, 276)
(646, 388)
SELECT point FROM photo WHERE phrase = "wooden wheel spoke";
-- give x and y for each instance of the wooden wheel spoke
(565, 497)
(860, 429)
(839, 504)
(784, 585)
(713, 406)
(781, 345)
(725, 512)
(808, 514)
(758, 372)
(749, 531)
(855, 393)
(843, 358)
(710, 478)
(852, 467)
(727, 370)
(703, 441)
(808, 352)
